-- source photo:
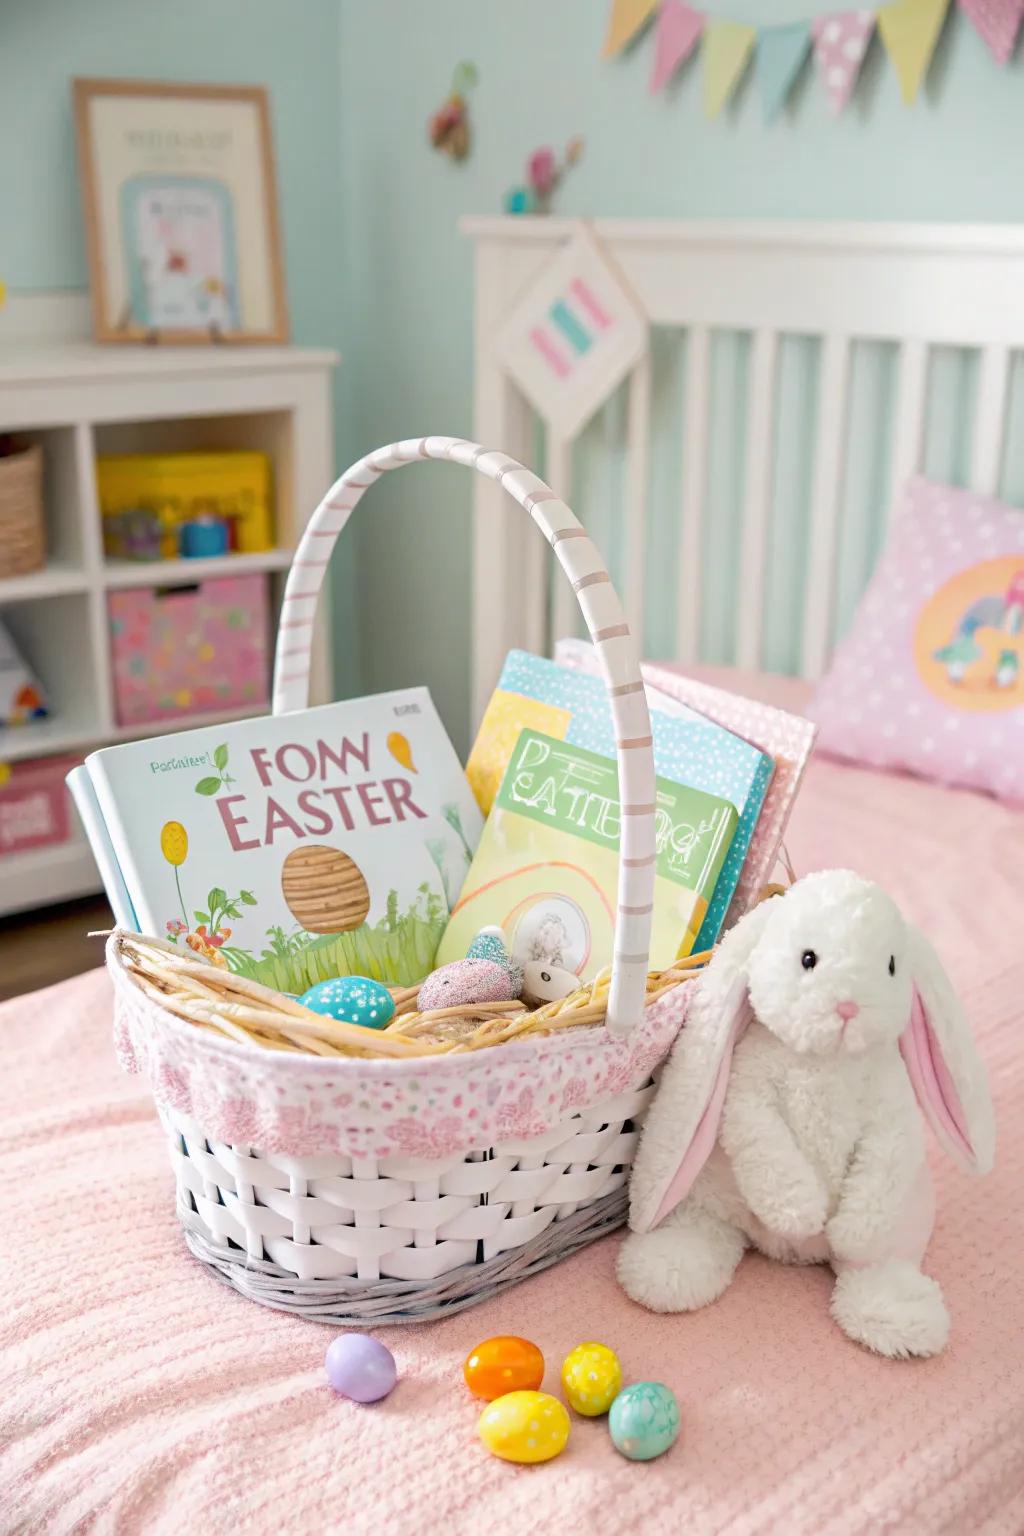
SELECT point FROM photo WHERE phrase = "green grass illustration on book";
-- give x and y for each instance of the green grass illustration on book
(546, 868)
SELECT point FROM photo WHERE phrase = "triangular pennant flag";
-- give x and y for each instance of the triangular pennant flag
(625, 21)
(727, 47)
(781, 52)
(679, 27)
(910, 29)
(840, 43)
(997, 22)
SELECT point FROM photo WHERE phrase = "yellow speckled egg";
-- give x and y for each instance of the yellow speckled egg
(524, 1426)
(592, 1378)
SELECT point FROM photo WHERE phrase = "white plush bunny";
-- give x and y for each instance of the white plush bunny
(786, 1117)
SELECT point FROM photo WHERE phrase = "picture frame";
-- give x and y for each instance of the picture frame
(179, 198)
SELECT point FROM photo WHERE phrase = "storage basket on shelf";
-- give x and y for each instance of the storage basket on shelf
(349, 1189)
(22, 540)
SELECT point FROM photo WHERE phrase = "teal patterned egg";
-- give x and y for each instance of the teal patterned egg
(353, 999)
(644, 1420)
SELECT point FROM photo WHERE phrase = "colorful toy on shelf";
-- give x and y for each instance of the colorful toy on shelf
(591, 1378)
(360, 1367)
(204, 538)
(503, 1364)
(449, 125)
(177, 489)
(353, 999)
(544, 176)
(21, 696)
(644, 1420)
(525, 1427)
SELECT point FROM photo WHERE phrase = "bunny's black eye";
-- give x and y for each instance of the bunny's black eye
(808, 959)
(892, 965)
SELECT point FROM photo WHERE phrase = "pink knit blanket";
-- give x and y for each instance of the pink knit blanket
(137, 1395)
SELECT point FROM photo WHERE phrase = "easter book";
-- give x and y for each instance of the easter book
(547, 866)
(291, 848)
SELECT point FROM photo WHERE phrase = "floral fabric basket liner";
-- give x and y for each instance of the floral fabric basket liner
(353, 1190)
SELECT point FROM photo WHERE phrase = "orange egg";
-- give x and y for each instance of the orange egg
(503, 1364)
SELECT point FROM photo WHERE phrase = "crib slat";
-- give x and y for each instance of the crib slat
(564, 609)
(990, 420)
(695, 463)
(825, 492)
(906, 447)
(756, 497)
(639, 435)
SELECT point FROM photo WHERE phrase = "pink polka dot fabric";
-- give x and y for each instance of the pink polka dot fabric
(840, 43)
(930, 677)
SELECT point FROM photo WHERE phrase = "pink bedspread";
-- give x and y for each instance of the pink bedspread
(138, 1395)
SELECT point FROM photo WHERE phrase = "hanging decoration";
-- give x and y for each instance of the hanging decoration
(997, 22)
(449, 126)
(544, 176)
(839, 41)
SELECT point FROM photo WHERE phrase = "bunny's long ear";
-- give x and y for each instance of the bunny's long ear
(943, 1065)
(682, 1123)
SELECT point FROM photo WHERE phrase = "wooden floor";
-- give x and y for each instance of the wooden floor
(39, 948)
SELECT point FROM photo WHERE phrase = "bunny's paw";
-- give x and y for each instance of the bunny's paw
(891, 1308)
(684, 1264)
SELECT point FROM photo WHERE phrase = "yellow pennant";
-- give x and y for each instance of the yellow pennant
(727, 49)
(625, 21)
(910, 30)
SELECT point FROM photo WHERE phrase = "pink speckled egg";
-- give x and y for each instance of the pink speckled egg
(464, 982)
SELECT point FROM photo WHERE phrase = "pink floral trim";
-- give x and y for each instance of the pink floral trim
(443, 1107)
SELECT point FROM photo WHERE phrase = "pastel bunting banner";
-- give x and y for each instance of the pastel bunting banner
(675, 37)
(781, 52)
(840, 44)
(727, 49)
(998, 23)
(838, 40)
(625, 21)
(910, 30)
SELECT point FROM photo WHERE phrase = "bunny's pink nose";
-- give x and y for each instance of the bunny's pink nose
(847, 1011)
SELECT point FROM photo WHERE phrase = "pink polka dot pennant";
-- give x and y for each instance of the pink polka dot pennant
(998, 22)
(840, 43)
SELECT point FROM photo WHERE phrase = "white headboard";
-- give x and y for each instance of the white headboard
(916, 289)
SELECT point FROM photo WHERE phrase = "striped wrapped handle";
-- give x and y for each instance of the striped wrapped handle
(608, 630)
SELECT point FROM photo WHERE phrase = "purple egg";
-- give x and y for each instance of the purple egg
(464, 982)
(360, 1367)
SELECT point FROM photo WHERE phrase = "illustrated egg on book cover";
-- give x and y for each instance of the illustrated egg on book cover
(327, 843)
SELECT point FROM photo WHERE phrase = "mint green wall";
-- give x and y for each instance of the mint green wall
(374, 262)
(293, 49)
(954, 156)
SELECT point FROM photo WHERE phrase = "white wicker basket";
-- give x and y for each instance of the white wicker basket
(343, 1236)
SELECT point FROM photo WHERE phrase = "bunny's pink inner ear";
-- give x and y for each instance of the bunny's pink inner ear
(696, 1154)
(934, 1087)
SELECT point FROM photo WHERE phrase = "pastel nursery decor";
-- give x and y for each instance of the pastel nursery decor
(909, 31)
(182, 652)
(930, 677)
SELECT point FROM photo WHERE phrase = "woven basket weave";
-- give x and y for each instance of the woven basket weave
(22, 542)
(346, 1236)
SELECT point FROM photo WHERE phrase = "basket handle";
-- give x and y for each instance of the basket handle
(608, 630)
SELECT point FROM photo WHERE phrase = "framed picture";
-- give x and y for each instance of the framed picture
(180, 206)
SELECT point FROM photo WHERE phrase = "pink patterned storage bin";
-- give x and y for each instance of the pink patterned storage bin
(35, 809)
(189, 650)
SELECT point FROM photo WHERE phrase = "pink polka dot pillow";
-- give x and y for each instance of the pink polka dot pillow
(931, 676)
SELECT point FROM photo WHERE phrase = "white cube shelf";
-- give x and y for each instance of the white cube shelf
(77, 401)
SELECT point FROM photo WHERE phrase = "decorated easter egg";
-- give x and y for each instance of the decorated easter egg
(524, 1426)
(591, 1378)
(503, 1364)
(644, 1420)
(544, 983)
(490, 944)
(360, 1367)
(355, 999)
(464, 982)
(325, 890)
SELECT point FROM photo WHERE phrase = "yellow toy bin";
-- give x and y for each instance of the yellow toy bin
(178, 487)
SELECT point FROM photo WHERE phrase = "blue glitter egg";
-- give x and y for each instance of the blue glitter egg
(644, 1420)
(352, 999)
